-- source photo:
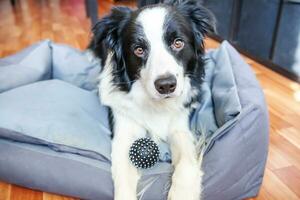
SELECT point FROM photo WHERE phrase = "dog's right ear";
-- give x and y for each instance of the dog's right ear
(201, 19)
(107, 32)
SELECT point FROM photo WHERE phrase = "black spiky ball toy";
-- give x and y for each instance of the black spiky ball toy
(144, 153)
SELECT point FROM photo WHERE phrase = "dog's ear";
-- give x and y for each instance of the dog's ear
(107, 37)
(107, 31)
(201, 19)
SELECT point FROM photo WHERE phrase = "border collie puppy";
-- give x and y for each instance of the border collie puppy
(151, 80)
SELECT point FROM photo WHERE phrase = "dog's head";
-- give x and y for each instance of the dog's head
(161, 46)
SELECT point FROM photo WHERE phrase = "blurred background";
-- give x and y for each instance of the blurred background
(266, 32)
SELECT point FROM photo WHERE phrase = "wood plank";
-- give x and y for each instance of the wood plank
(290, 176)
(292, 135)
(264, 195)
(20, 193)
(211, 44)
(276, 159)
(4, 191)
(277, 120)
(275, 189)
(293, 119)
(48, 196)
(284, 147)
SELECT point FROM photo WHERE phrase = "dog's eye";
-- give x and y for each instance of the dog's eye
(139, 51)
(177, 44)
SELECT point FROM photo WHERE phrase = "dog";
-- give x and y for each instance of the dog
(151, 79)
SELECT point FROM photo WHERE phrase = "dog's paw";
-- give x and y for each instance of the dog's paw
(186, 184)
(179, 192)
(125, 196)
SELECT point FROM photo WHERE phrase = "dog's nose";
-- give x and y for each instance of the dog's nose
(166, 84)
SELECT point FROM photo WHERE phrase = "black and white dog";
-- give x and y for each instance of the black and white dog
(151, 79)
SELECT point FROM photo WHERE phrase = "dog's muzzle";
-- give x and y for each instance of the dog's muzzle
(166, 84)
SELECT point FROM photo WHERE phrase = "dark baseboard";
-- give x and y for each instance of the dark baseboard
(266, 63)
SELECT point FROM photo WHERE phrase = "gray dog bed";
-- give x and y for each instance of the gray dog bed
(54, 133)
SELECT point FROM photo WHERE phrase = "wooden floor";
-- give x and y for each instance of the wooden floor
(65, 21)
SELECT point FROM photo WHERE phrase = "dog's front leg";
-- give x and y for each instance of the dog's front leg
(124, 174)
(186, 179)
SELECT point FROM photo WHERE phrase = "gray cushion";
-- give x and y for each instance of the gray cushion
(45, 60)
(236, 136)
(57, 114)
(75, 67)
(31, 65)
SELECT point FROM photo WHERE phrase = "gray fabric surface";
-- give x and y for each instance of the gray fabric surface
(236, 133)
(75, 67)
(31, 65)
(220, 102)
(57, 114)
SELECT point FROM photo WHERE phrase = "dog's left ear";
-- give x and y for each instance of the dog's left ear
(201, 19)
(107, 32)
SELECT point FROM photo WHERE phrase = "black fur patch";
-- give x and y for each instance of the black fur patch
(111, 121)
(190, 22)
(108, 36)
